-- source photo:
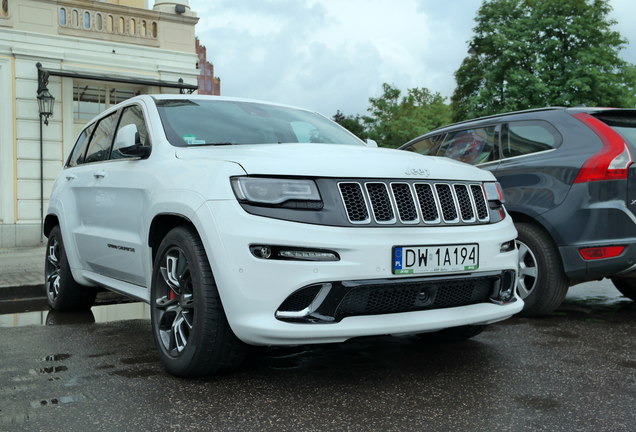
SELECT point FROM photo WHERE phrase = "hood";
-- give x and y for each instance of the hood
(332, 160)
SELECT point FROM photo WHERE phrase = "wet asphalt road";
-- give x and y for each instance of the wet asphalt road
(572, 371)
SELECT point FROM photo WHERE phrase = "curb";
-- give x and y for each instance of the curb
(22, 292)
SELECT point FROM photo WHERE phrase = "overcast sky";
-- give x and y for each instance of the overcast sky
(334, 54)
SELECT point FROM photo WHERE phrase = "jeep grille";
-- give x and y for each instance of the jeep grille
(413, 203)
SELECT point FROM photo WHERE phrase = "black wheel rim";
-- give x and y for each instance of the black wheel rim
(53, 269)
(528, 270)
(174, 301)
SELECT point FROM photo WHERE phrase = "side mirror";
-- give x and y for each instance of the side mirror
(136, 150)
(370, 143)
(128, 142)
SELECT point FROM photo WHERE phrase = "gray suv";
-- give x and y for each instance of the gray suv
(570, 187)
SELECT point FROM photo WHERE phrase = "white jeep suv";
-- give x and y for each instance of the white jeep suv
(243, 222)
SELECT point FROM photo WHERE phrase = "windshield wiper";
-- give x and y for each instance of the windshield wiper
(211, 144)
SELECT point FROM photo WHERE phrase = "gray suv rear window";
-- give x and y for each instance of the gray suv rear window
(623, 122)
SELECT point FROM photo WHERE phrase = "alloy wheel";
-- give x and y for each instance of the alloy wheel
(53, 269)
(174, 302)
(528, 270)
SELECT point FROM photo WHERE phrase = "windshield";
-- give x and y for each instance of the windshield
(216, 122)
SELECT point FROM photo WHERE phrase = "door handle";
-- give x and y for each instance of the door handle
(99, 174)
(70, 177)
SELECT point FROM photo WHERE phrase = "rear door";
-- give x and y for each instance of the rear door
(83, 204)
(531, 182)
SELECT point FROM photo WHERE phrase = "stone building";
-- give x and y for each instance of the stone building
(94, 54)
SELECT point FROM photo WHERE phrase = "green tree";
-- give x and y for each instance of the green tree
(534, 53)
(352, 123)
(395, 118)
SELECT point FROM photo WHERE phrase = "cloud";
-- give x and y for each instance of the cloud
(333, 54)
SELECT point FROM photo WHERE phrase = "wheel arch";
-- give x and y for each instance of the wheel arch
(162, 224)
(524, 218)
(50, 221)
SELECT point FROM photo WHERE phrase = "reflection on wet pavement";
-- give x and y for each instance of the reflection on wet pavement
(595, 301)
(36, 312)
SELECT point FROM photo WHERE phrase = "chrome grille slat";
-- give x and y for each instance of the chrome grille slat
(381, 205)
(447, 202)
(466, 206)
(355, 204)
(480, 202)
(386, 202)
(405, 203)
(429, 205)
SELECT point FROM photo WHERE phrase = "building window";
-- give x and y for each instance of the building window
(133, 27)
(87, 20)
(110, 24)
(75, 18)
(143, 29)
(91, 99)
(154, 29)
(4, 11)
(99, 22)
(88, 101)
(62, 16)
(122, 25)
(117, 95)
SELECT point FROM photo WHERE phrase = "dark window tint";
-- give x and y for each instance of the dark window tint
(132, 117)
(624, 122)
(99, 148)
(77, 155)
(428, 146)
(473, 146)
(525, 137)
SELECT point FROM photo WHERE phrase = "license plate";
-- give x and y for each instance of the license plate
(435, 259)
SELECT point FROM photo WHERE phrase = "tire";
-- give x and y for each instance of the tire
(452, 334)
(542, 283)
(189, 325)
(627, 287)
(63, 293)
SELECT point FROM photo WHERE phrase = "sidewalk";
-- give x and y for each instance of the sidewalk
(22, 273)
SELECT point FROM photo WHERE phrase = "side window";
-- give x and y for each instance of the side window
(473, 146)
(428, 146)
(525, 137)
(131, 126)
(99, 148)
(77, 155)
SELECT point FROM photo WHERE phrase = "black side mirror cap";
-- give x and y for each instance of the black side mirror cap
(137, 150)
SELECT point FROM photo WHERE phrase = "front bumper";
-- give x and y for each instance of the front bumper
(253, 289)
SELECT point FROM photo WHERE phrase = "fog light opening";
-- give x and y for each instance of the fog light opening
(508, 246)
(595, 253)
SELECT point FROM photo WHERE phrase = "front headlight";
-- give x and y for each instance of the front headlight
(494, 192)
(293, 193)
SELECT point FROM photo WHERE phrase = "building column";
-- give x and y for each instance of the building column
(7, 150)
